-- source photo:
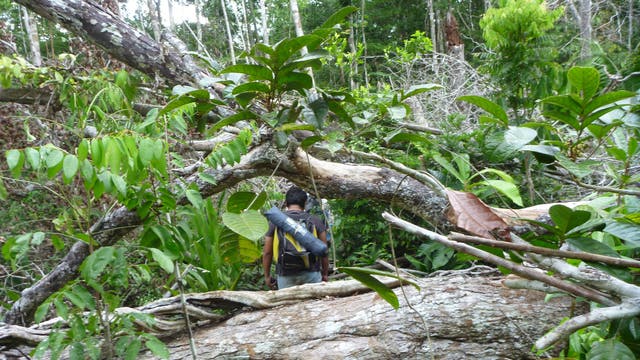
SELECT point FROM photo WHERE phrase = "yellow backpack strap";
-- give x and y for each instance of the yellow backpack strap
(276, 246)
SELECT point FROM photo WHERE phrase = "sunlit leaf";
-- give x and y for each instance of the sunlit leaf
(255, 72)
(585, 79)
(487, 105)
(163, 260)
(250, 224)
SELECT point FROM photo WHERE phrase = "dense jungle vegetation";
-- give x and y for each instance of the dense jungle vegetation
(162, 172)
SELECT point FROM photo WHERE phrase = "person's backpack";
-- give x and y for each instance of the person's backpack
(290, 256)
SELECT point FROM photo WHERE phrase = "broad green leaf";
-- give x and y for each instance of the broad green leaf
(230, 120)
(607, 99)
(15, 161)
(563, 117)
(176, 103)
(194, 197)
(566, 219)
(581, 169)
(397, 112)
(592, 246)
(419, 89)
(586, 80)
(287, 48)
(543, 153)
(610, 349)
(33, 158)
(163, 260)
(565, 102)
(96, 152)
(83, 149)
(241, 200)
(365, 277)
(487, 105)
(338, 17)
(244, 99)
(629, 233)
(250, 224)
(41, 311)
(517, 137)
(251, 87)
(249, 250)
(69, 167)
(295, 81)
(145, 151)
(315, 112)
(506, 188)
(374, 284)
(94, 264)
(310, 140)
(54, 158)
(255, 72)
(449, 167)
(410, 137)
(120, 184)
(182, 89)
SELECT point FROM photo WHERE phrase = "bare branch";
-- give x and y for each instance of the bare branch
(545, 251)
(626, 309)
(515, 268)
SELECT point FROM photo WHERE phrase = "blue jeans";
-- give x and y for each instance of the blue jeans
(305, 277)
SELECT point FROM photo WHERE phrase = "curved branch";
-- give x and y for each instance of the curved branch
(626, 309)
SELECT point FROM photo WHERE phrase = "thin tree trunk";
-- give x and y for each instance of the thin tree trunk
(353, 64)
(172, 23)
(364, 45)
(585, 30)
(246, 27)
(232, 52)
(198, 26)
(297, 23)
(630, 32)
(432, 25)
(155, 21)
(264, 17)
(31, 29)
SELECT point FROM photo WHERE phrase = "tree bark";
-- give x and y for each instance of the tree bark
(31, 28)
(466, 318)
(127, 44)
(585, 30)
(457, 315)
(232, 52)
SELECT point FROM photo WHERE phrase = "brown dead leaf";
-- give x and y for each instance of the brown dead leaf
(471, 214)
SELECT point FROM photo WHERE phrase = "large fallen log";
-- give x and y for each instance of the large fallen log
(456, 315)
(451, 317)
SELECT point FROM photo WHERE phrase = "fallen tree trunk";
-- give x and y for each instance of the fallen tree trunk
(453, 316)
(466, 317)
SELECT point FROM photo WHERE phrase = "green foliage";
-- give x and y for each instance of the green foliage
(520, 61)
(365, 276)
(460, 168)
(585, 112)
(517, 22)
(417, 46)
